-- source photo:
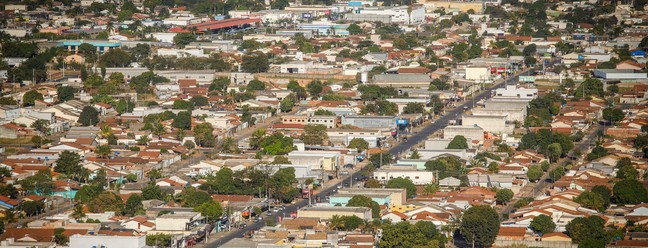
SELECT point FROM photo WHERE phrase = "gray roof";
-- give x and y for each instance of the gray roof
(401, 78)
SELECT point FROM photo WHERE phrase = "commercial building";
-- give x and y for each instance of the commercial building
(344, 136)
(177, 222)
(325, 160)
(418, 177)
(399, 14)
(490, 123)
(327, 213)
(370, 122)
(469, 132)
(614, 74)
(387, 197)
(512, 91)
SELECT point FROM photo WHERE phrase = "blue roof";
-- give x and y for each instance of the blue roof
(97, 43)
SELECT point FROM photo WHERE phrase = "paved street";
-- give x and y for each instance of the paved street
(412, 141)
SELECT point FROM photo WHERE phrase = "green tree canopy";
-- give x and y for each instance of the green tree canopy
(106, 201)
(182, 120)
(277, 144)
(65, 93)
(183, 39)
(314, 134)
(535, 172)
(402, 183)
(630, 191)
(504, 195)
(134, 205)
(30, 97)
(591, 200)
(358, 143)
(212, 210)
(582, 229)
(542, 224)
(89, 116)
(480, 224)
(458, 142)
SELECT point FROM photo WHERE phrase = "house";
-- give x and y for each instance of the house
(139, 223)
(511, 233)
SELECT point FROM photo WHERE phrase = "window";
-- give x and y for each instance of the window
(416, 177)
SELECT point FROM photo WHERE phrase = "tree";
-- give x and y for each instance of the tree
(69, 163)
(182, 120)
(219, 84)
(414, 108)
(42, 126)
(32, 208)
(458, 142)
(365, 201)
(183, 39)
(87, 193)
(134, 205)
(587, 228)
(65, 93)
(372, 183)
(358, 143)
(542, 224)
(89, 116)
(30, 97)
(204, 134)
(535, 172)
(106, 201)
(115, 58)
(553, 152)
(314, 134)
(630, 191)
(280, 160)
(212, 210)
(324, 112)
(315, 88)
(199, 101)
(89, 52)
(402, 183)
(605, 194)
(625, 170)
(347, 223)
(7, 101)
(286, 105)
(480, 225)
(159, 240)
(124, 106)
(279, 4)
(596, 153)
(277, 144)
(354, 29)
(493, 167)
(255, 63)
(415, 155)
(152, 191)
(182, 104)
(613, 115)
(383, 158)
(255, 84)
(192, 198)
(40, 183)
(591, 200)
(60, 238)
(556, 173)
(504, 195)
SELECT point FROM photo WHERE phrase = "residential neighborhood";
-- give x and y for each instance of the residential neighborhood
(323, 123)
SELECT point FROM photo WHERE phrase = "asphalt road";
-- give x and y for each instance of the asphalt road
(450, 115)
(413, 140)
